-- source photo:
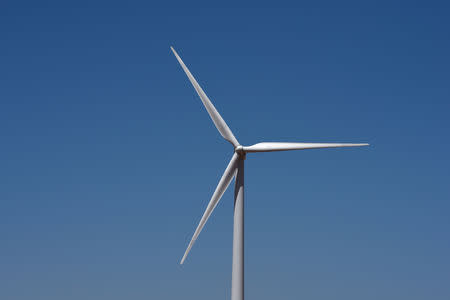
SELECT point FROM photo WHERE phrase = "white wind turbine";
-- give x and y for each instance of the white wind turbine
(236, 168)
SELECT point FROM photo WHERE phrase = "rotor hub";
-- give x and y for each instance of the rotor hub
(240, 151)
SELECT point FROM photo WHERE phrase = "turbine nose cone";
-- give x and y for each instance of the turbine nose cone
(240, 150)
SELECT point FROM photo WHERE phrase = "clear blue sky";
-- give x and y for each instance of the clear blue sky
(108, 158)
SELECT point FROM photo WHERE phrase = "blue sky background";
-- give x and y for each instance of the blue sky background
(108, 158)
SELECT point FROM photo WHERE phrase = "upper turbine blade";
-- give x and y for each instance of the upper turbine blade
(220, 189)
(213, 113)
(269, 147)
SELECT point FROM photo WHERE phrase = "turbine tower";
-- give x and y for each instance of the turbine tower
(235, 168)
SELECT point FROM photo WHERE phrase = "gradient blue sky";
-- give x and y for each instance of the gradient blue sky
(108, 158)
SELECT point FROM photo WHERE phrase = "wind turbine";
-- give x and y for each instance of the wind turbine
(235, 168)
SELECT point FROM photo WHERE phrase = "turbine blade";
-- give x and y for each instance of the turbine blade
(270, 147)
(213, 113)
(224, 182)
